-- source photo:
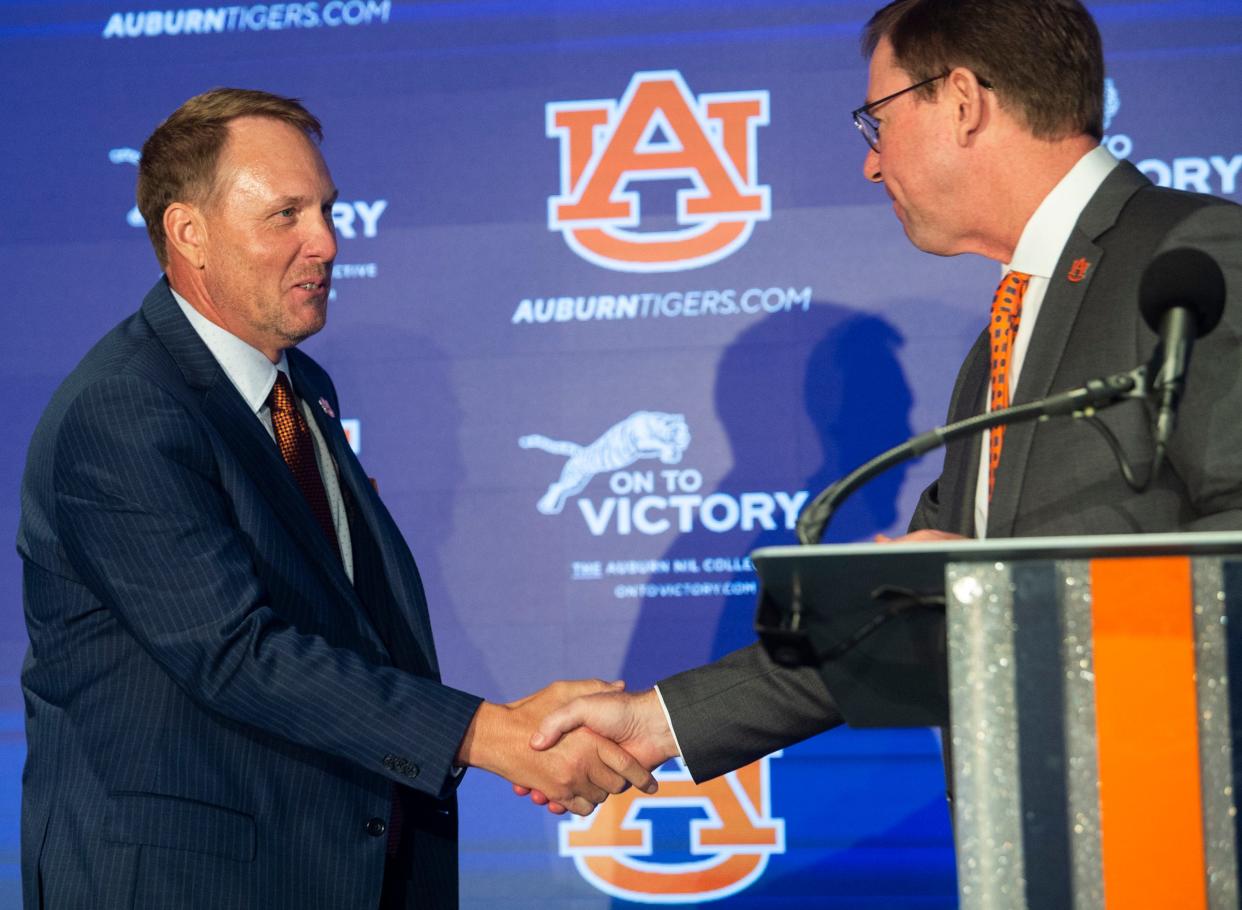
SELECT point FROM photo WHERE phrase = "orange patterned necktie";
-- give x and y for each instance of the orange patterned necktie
(1006, 311)
(298, 449)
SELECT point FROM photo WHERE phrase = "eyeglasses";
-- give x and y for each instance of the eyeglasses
(869, 126)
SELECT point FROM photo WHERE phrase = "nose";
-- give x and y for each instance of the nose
(320, 240)
(871, 166)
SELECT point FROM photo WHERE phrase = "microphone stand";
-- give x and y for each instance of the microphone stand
(1096, 394)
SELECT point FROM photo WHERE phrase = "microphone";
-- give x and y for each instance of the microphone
(1085, 400)
(1181, 297)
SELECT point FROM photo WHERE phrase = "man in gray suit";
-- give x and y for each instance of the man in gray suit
(983, 124)
(232, 693)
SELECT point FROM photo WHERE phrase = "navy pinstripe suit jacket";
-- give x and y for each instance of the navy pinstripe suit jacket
(214, 713)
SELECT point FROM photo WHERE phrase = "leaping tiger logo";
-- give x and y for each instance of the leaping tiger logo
(644, 434)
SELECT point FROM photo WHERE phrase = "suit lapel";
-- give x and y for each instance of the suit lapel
(261, 460)
(246, 437)
(961, 458)
(1062, 301)
(1068, 287)
(394, 562)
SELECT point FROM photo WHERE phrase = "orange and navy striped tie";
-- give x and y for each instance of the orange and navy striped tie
(1003, 327)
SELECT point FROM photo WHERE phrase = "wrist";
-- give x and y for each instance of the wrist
(660, 732)
(478, 746)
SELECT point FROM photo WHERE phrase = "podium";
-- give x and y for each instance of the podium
(1091, 688)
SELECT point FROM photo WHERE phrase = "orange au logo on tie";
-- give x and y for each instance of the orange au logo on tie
(1078, 270)
(615, 850)
(658, 131)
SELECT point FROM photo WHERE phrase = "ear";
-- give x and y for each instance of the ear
(970, 103)
(186, 230)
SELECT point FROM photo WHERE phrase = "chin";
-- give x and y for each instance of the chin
(917, 240)
(315, 326)
(297, 334)
(923, 241)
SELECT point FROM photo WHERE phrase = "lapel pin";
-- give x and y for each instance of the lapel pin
(327, 408)
(1078, 270)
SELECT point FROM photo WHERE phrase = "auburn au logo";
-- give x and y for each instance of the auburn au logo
(1078, 270)
(658, 131)
(616, 849)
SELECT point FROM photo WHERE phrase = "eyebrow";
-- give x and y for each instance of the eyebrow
(289, 201)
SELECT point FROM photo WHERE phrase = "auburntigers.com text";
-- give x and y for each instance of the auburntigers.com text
(670, 305)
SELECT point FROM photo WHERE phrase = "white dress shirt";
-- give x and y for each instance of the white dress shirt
(1038, 250)
(253, 375)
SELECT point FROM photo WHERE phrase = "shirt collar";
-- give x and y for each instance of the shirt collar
(1049, 229)
(247, 367)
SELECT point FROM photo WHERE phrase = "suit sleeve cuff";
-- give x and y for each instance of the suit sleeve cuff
(428, 763)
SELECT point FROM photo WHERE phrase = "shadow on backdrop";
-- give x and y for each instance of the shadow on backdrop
(849, 400)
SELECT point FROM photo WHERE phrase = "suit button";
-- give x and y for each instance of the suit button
(376, 827)
(401, 766)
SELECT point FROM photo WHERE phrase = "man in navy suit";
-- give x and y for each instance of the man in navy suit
(233, 698)
(983, 124)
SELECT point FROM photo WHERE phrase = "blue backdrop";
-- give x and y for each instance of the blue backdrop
(584, 411)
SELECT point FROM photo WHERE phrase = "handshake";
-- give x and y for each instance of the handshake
(571, 744)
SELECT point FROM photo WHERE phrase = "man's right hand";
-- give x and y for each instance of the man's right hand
(577, 772)
(635, 722)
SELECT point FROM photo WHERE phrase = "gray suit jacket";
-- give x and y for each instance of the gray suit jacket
(215, 716)
(1057, 477)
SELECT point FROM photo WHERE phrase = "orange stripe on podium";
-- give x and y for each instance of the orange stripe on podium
(1151, 815)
